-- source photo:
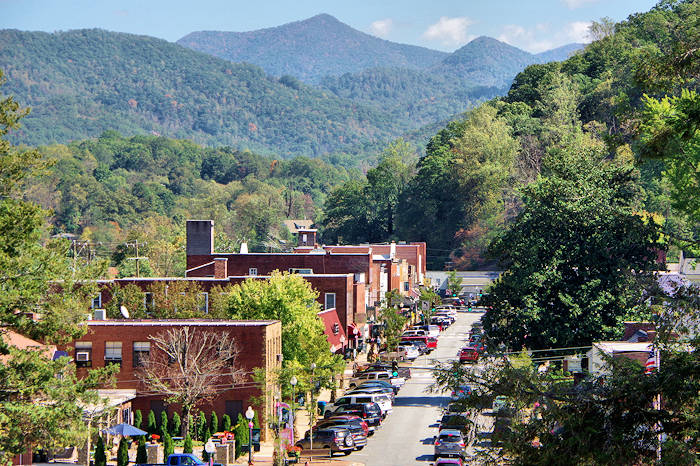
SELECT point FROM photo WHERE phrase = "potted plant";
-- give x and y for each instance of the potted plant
(293, 452)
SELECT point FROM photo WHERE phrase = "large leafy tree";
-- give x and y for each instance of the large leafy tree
(290, 299)
(577, 255)
(39, 398)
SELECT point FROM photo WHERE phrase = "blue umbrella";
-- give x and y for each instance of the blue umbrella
(125, 430)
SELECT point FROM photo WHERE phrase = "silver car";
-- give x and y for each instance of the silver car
(450, 443)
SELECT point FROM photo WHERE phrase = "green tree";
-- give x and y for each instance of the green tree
(576, 257)
(141, 454)
(163, 426)
(175, 425)
(226, 423)
(138, 418)
(31, 394)
(187, 445)
(201, 426)
(290, 299)
(214, 425)
(393, 322)
(241, 433)
(454, 282)
(151, 427)
(168, 445)
(123, 452)
(100, 456)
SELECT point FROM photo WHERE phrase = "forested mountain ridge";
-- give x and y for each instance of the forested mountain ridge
(81, 83)
(311, 49)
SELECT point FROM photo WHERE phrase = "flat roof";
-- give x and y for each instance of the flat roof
(186, 322)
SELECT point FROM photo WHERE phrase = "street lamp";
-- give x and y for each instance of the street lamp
(313, 408)
(293, 382)
(250, 414)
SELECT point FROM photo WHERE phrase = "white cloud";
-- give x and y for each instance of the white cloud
(541, 37)
(573, 4)
(524, 38)
(382, 27)
(450, 31)
(579, 31)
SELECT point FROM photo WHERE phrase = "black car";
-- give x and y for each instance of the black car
(457, 421)
(353, 425)
(338, 439)
(369, 412)
(404, 372)
(377, 383)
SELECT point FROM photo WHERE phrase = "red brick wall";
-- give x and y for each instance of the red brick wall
(258, 342)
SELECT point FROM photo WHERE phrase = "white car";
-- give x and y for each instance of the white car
(415, 333)
(383, 400)
(378, 375)
(410, 352)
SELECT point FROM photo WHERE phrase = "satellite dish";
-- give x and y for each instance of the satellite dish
(124, 311)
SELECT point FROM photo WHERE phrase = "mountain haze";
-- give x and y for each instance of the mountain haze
(311, 49)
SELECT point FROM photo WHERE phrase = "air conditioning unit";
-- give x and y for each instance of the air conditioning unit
(82, 356)
(100, 314)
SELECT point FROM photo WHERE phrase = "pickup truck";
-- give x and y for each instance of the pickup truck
(181, 459)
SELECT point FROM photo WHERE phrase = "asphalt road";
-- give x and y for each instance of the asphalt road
(406, 436)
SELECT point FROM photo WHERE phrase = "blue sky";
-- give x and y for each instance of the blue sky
(534, 25)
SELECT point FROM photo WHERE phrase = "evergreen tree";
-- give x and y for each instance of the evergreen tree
(207, 435)
(141, 455)
(163, 423)
(226, 423)
(214, 422)
(201, 426)
(168, 445)
(241, 432)
(151, 427)
(138, 419)
(123, 453)
(187, 446)
(100, 456)
(175, 423)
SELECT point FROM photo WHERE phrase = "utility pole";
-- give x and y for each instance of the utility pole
(135, 244)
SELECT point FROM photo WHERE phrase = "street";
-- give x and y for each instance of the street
(406, 437)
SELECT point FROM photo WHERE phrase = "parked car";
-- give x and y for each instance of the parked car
(420, 345)
(414, 332)
(338, 439)
(449, 443)
(378, 390)
(500, 402)
(410, 352)
(377, 375)
(448, 461)
(181, 459)
(351, 417)
(431, 343)
(460, 422)
(404, 372)
(468, 354)
(381, 399)
(359, 434)
(377, 383)
(460, 392)
(371, 413)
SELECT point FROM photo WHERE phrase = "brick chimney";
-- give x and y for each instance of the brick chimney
(200, 237)
(306, 237)
(220, 267)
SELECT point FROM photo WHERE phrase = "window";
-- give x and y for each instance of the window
(148, 302)
(303, 238)
(204, 302)
(142, 350)
(97, 301)
(405, 286)
(301, 271)
(330, 300)
(126, 415)
(83, 353)
(113, 352)
(253, 271)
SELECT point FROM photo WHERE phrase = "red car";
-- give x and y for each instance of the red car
(468, 354)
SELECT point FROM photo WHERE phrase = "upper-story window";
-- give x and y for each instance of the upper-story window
(83, 353)
(142, 350)
(253, 271)
(204, 302)
(148, 302)
(329, 300)
(113, 352)
(97, 301)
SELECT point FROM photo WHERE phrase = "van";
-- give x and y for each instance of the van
(382, 399)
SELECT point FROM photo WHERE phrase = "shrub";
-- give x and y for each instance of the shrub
(100, 457)
(168, 446)
(138, 419)
(214, 422)
(163, 423)
(141, 455)
(201, 426)
(187, 447)
(123, 453)
(226, 423)
(151, 427)
(175, 423)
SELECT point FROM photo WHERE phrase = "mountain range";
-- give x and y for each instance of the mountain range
(312, 87)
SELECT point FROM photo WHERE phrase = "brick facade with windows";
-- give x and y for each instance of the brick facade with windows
(260, 343)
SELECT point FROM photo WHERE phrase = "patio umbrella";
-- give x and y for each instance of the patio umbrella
(125, 430)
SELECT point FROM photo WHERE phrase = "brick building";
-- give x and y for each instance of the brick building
(123, 342)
